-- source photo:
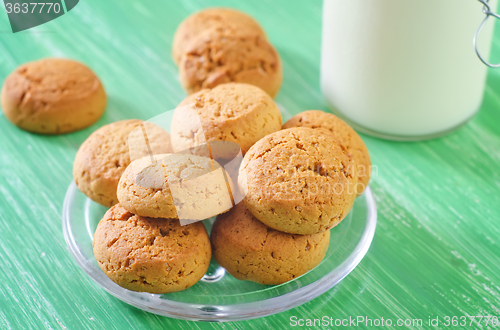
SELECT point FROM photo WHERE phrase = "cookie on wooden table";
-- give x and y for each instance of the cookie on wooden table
(183, 186)
(221, 21)
(233, 112)
(105, 154)
(53, 96)
(249, 250)
(150, 255)
(345, 134)
(298, 181)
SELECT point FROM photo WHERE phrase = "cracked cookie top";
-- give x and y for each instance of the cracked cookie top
(53, 96)
(150, 255)
(298, 180)
(233, 112)
(249, 250)
(345, 134)
(221, 21)
(213, 60)
(184, 186)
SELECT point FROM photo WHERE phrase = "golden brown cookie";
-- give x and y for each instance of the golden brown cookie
(298, 181)
(344, 134)
(183, 186)
(150, 255)
(249, 250)
(103, 157)
(213, 60)
(217, 21)
(239, 113)
(53, 96)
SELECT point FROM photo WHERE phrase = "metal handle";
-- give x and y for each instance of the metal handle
(487, 11)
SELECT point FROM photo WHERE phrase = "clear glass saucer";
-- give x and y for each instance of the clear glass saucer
(219, 296)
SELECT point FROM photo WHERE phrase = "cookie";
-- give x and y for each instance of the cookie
(104, 156)
(298, 181)
(345, 134)
(183, 186)
(249, 250)
(53, 96)
(213, 60)
(221, 21)
(239, 113)
(150, 255)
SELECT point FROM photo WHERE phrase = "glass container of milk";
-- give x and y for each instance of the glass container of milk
(404, 69)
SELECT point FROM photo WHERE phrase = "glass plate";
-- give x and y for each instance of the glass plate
(219, 296)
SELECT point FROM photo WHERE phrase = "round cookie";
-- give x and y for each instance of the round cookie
(346, 135)
(53, 96)
(213, 60)
(233, 112)
(298, 181)
(249, 250)
(222, 21)
(150, 255)
(103, 157)
(184, 186)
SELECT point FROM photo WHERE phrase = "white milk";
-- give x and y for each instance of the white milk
(404, 68)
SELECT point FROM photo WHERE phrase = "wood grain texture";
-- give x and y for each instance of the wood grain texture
(436, 250)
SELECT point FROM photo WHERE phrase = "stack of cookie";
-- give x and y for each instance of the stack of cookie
(298, 183)
(219, 45)
(136, 251)
(150, 187)
(276, 190)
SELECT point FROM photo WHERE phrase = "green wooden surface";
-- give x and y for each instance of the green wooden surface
(436, 250)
